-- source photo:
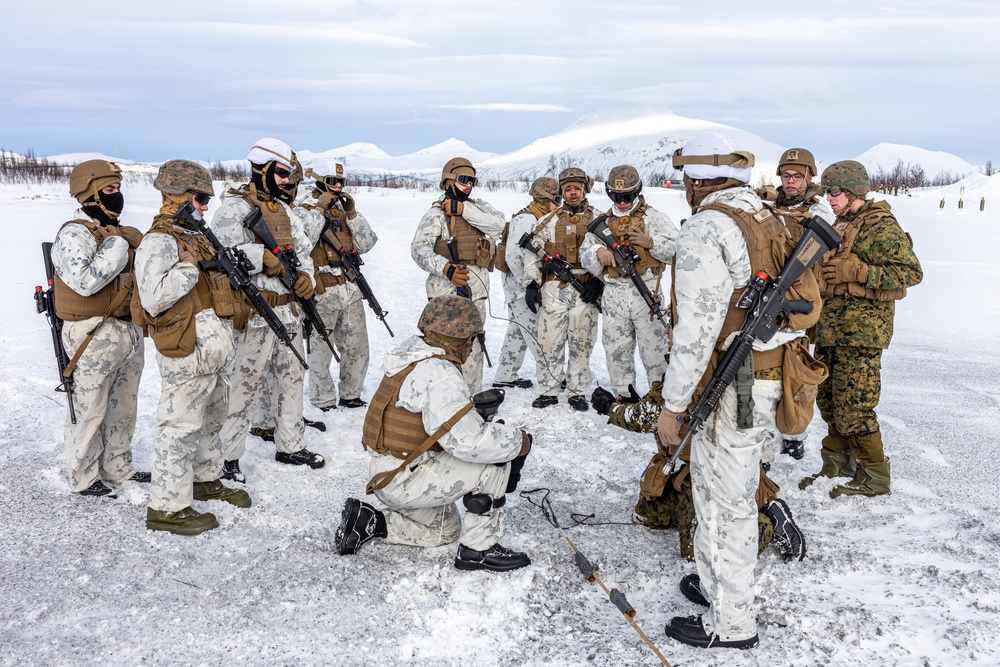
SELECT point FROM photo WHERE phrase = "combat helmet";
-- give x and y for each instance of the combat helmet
(176, 177)
(575, 175)
(623, 183)
(296, 176)
(90, 177)
(455, 167)
(545, 187)
(799, 158)
(848, 175)
(450, 315)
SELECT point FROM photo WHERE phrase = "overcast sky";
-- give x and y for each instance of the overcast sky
(156, 80)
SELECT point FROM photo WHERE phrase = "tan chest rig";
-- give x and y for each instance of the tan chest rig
(323, 253)
(570, 230)
(389, 429)
(534, 209)
(849, 231)
(112, 300)
(474, 247)
(635, 221)
(276, 217)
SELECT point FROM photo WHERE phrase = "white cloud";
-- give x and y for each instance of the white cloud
(506, 106)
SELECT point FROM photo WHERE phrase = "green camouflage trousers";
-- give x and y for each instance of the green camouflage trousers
(847, 398)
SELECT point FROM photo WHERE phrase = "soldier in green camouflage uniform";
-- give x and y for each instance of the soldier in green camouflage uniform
(861, 283)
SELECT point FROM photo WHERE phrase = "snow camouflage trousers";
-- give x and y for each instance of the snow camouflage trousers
(522, 333)
(625, 325)
(421, 501)
(106, 387)
(847, 398)
(565, 322)
(194, 401)
(343, 313)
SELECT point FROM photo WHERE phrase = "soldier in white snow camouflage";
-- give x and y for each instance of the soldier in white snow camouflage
(92, 258)
(626, 322)
(332, 222)
(474, 225)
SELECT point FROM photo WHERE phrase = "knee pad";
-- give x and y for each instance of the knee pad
(481, 503)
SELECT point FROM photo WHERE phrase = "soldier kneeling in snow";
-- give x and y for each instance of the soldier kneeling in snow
(430, 448)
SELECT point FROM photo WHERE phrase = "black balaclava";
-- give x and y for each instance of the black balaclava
(454, 193)
(107, 209)
(262, 176)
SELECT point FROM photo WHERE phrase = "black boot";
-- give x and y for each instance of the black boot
(300, 458)
(319, 426)
(98, 490)
(794, 448)
(788, 539)
(690, 630)
(265, 434)
(497, 558)
(359, 523)
(691, 589)
(141, 477)
(352, 403)
(520, 383)
(231, 471)
(544, 401)
(579, 403)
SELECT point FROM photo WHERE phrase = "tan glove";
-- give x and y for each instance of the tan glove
(131, 235)
(849, 269)
(605, 257)
(272, 265)
(452, 207)
(303, 287)
(668, 428)
(457, 274)
(637, 238)
(350, 208)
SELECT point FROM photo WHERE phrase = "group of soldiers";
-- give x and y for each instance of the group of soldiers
(429, 427)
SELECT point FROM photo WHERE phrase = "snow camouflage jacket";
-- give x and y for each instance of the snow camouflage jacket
(362, 237)
(658, 225)
(433, 226)
(854, 318)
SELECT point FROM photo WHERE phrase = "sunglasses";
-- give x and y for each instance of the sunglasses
(465, 179)
(333, 180)
(621, 197)
(558, 200)
(834, 192)
(202, 199)
(281, 172)
(791, 176)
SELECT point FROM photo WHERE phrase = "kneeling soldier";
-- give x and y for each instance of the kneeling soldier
(420, 476)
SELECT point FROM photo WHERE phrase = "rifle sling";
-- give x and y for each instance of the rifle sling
(117, 301)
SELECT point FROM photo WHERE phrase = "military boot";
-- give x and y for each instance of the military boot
(869, 480)
(835, 464)
(182, 522)
(216, 490)
(359, 523)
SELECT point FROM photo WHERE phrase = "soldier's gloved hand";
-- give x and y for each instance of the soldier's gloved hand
(668, 428)
(849, 269)
(533, 296)
(303, 287)
(605, 257)
(452, 207)
(637, 238)
(592, 291)
(602, 400)
(350, 208)
(633, 396)
(272, 265)
(457, 274)
(131, 235)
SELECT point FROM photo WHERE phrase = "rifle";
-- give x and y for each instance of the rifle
(350, 264)
(45, 303)
(235, 264)
(452, 244)
(767, 307)
(557, 264)
(625, 259)
(290, 264)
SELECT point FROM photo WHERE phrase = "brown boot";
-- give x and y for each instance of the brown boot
(869, 480)
(835, 464)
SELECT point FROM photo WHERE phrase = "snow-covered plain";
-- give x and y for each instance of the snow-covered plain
(909, 579)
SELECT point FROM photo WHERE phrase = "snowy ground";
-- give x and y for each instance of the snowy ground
(911, 579)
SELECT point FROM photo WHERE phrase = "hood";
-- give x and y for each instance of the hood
(743, 198)
(410, 350)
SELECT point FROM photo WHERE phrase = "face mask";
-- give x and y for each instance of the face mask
(114, 202)
(454, 193)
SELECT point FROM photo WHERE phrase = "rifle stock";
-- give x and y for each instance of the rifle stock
(45, 303)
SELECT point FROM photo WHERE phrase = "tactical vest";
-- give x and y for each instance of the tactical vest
(849, 231)
(391, 429)
(634, 221)
(570, 230)
(324, 254)
(73, 307)
(501, 255)
(275, 214)
(474, 247)
(794, 214)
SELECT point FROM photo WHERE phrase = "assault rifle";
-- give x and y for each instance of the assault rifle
(290, 268)
(466, 291)
(45, 303)
(767, 307)
(350, 264)
(625, 259)
(235, 264)
(557, 264)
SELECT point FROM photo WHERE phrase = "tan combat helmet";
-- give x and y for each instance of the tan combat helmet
(847, 175)
(623, 183)
(177, 177)
(544, 188)
(575, 175)
(455, 167)
(90, 177)
(450, 315)
(799, 159)
(296, 176)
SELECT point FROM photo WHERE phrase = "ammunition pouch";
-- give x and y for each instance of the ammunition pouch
(481, 503)
(801, 375)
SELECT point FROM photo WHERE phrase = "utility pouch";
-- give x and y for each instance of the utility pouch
(173, 331)
(801, 376)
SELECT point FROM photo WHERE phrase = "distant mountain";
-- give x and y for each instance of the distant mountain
(74, 159)
(884, 157)
(425, 163)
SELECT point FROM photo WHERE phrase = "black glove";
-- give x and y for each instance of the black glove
(601, 400)
(487, 402)
(515, 473)
(633, 396)
(592, 291)
(533, 296)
